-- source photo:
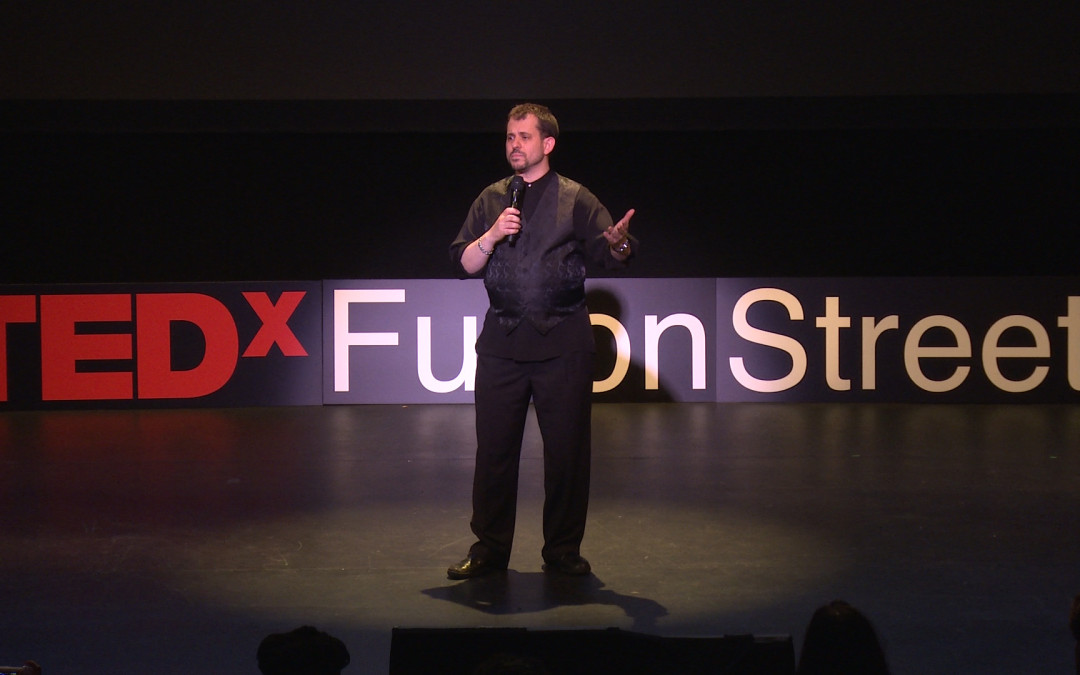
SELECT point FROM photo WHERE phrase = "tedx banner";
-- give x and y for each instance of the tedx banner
(898, 340)
(412, 341)
(161, 345)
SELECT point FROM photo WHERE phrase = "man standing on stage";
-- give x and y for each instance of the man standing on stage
(529, 236)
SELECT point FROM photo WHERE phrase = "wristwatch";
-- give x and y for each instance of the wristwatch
(622, 248)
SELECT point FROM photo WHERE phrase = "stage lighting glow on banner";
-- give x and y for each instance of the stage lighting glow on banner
(412, 341)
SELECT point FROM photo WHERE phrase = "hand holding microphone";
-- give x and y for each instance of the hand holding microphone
(517, 194)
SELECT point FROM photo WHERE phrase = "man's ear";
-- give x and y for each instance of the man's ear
(549, 144)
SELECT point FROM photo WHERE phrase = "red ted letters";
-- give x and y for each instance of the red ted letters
(84, 344)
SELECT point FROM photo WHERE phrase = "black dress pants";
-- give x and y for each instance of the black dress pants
(561, 392)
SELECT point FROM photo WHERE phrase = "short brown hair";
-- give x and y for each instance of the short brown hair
(549, 126)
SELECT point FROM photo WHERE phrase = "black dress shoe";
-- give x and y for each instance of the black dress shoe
(471, 567)
(568, 563)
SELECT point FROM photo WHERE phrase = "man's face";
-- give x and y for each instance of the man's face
(526, 147)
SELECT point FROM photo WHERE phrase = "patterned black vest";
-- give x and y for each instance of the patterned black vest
(542, 278)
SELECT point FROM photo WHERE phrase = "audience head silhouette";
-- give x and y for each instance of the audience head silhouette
(302, 651)
(840, 640)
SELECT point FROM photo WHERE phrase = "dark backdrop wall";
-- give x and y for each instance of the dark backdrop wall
(782, 200)
(560, 49)
(224, 141)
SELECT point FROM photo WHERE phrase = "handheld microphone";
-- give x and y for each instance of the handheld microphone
(517, 191)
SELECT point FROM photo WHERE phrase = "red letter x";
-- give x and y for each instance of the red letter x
(275, 326)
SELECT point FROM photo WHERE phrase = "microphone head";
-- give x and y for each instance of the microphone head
(517, 184)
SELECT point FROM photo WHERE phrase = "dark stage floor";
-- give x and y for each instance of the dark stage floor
(173, 541)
